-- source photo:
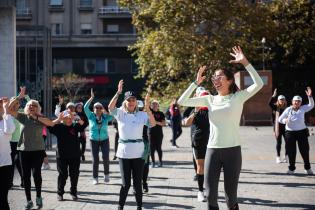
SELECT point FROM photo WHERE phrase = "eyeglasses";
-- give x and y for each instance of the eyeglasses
(215, 78)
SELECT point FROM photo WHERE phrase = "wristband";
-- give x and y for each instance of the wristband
(195, 82)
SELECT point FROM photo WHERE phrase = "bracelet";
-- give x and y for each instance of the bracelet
(195, 82)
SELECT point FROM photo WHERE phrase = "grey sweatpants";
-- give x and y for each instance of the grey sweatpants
(231, 161)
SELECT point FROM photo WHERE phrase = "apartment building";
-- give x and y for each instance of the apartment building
(88, 37)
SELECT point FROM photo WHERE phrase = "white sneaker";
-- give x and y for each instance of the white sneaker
(45, 166)
(95, 181)
(201, 197)
(278, 160)
(106, 178)
(290, 172)
(285, 159)
(309, 172)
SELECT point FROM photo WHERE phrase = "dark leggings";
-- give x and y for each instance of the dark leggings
(83, 144)
(15, 161)
(156, 145)
(95, 146)
(31, 161)
(130, 167)
(145, 173)
(230, 159)
(279, 141)
(5, 173)
(301, 138)
(176, 129)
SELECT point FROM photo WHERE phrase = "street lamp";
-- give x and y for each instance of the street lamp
(263, 42)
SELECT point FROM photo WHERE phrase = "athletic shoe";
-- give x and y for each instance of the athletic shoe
(278, 160)
(115, 157)
(285, 159)
(290, 172)
(74, 197)
(106, 178)
(29, 205)
(95, 181)
(153, 165)
(309, 172)
(39, 202)
(45, 166)
(160, 164)
(145, 189)
(59, 197)
(201, 197)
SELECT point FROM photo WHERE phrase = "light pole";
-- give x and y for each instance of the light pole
(263, 41)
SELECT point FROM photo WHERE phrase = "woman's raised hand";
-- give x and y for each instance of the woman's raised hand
(308, 91)
(239, 56)
(92, 93)
(120, 86)
(200, 78)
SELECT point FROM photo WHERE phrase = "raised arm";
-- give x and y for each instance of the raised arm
(310, 104)
(239, 57)
(58, 106)
(9, 126)
(112, 103)
(273, 100)
(47, 121)
(185, 99)
(148, 110)
(87, 104)
(16, 100)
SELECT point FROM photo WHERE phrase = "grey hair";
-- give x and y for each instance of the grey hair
(124, 106)
(39, 108)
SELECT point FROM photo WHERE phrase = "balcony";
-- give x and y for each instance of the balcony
(113, 12)
(24, 14)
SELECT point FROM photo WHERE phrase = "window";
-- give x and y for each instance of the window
(85, 3)
(86, 28)
(55, 3)
(110, 2)
(111, 67)
(56, 29)
(89, 66)
(100, 65)
(62, 66)
(112, 28)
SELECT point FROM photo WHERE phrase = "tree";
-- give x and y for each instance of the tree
(69, 83)
(176, 37)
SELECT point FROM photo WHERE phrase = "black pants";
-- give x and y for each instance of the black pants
(15, 161)
(31, 161)
(230, 159)
(82, 140)
(5, 174)
(130, 167)
(145, 173)
(156, 145)
(301, 138)
(116, 141)
(67, 166)
(176, 129)
(279, 141)
(95, 146)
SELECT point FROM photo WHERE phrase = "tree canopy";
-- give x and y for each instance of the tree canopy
(176, 37)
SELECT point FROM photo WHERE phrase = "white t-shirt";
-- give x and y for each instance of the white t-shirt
(7, 127)
(130, 127)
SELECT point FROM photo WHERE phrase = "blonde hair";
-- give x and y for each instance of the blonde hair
(281, 106)
(124, 106)
(26, 109)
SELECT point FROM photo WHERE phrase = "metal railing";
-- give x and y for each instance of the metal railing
(25, 12)
(112, 10)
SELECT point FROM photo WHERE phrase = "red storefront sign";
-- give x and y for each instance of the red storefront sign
(98, 79)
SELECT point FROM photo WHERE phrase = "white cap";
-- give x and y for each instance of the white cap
(280, 97)
(98, 104)
(297, 98)
(70, 104)
(199, 90)
(140, 104)
(155, 101)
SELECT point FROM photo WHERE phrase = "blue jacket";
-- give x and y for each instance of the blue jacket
(97, 133)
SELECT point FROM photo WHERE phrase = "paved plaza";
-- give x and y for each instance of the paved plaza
(263, 183)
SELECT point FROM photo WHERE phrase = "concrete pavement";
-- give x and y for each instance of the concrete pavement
(263, 183)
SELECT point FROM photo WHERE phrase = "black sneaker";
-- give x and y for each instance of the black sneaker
(74, 197)
(59, 197)
(145, 189)
(160, 164)
(115, 157)
(83, 158)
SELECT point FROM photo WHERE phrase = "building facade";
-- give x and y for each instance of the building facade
(89, 38)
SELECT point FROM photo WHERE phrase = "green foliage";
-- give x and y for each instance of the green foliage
(176, 37)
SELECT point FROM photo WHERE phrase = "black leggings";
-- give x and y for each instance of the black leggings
(31, 161)
(156, 145)
(279, 140)
(177, 130)
(82, 140)
(5, 172)
(130, 167)
(230, 159)
(15, 161)
(301, 138)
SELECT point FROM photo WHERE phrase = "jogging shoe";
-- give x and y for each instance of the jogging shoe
(201, 197)
(95, 181)
(290, 172)
(309, 172)
(29, 205)
(39, 202)
(278, 160)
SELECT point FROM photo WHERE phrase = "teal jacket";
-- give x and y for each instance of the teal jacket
(97, 133)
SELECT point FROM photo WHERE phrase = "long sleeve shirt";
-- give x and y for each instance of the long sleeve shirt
(224, 111)
(296, 118)
(7, 127)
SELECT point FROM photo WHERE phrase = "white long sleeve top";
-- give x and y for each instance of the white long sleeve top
(7, 127)
(296, 118)
(224, 111)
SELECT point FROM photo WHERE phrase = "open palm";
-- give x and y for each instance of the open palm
(238, 55)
